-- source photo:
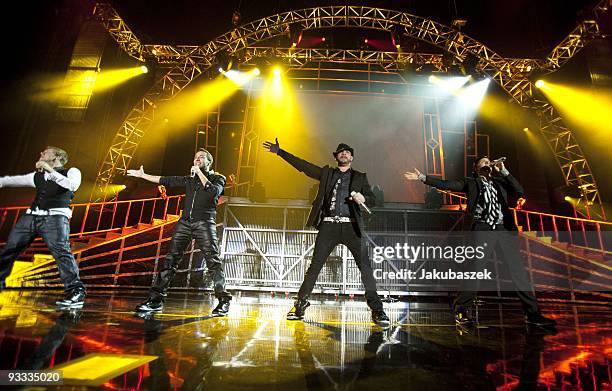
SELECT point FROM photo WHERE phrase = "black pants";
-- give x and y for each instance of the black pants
(507, 246)
(205, 234)
(329, 236)
(55, 231)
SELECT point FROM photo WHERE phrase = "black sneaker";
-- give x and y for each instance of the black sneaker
(150, 305)
(298, 310)
(73, 299)
(537, 319)
(463, 317)
(380, 318)
(223, 307)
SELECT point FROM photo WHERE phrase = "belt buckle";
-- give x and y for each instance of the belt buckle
(336, 219)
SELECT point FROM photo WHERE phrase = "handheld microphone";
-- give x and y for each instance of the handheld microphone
(193, 172)
(364, 206)
(500, 160)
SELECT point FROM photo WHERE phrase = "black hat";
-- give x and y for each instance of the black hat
(343, 147)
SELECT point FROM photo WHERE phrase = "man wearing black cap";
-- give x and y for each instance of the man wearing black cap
(336, 213)
(488, 210)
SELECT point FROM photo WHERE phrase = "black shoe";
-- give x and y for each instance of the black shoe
(537, 319)
(380, 318)
(463, 317)
(298, 310)
(150, 305)
(223, 307)
(73, 299)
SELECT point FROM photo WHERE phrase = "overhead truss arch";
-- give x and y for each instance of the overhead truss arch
(184, 63)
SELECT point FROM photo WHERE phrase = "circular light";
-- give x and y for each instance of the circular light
(365, 40)
(220, 70)
(539, 83)
(323, 39)
(432, 79)
(144, 69)
(525, 130)
(256, 71)
(567, 198)
(277, 72)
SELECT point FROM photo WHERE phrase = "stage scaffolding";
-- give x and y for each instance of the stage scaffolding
(238, 118)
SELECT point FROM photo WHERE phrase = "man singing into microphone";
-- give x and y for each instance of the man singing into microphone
(337, 215)
(48, 217)
(487, 207)
(202, 191)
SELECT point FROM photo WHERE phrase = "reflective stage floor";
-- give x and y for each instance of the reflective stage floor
(336, 348)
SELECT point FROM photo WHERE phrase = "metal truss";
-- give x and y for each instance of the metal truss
(118, 30)
(189, 61)
(578, 38)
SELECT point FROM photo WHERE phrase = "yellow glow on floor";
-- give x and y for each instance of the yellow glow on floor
(96, 369)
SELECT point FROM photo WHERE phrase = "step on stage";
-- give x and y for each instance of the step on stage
(106, 346)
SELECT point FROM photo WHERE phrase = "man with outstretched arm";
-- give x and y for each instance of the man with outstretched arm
(488, 211)
(337, 215)
(48, 217)
(202, 191)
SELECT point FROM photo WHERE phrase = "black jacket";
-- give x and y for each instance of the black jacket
(359, 183)
(200, 201)
(471, 187)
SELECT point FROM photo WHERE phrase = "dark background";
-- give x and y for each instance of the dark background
(40, 41)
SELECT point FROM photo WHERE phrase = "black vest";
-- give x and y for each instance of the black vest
(49, 194)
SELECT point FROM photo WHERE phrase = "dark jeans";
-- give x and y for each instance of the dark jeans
(55, 231)
(506, 245)
(205, 234)
(329, 236)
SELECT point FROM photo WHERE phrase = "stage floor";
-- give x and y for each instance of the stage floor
(105, 345)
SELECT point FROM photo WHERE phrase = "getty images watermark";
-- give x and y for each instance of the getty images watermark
(424, 253)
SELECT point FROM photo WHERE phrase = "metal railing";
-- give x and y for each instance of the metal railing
(98, 217)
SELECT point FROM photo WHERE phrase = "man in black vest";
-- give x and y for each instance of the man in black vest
(48, 217)
(336, 214)
(488, 211)
(202, 191)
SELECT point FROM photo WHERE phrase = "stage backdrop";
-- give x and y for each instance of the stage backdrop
(385, 132)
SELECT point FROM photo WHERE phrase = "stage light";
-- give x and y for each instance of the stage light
(322, 39)
(525, 130)
(539, 83)
(295, 34)
(450, 85)
(396, 36)
(585, 108)
(365, 40)
(223, 61)
(256, 72)
(241, 78)
(112, 78)
(469, 66)
(567, 198)
(471, 96)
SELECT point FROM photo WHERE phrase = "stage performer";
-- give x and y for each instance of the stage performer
(489, 216)
(48, 216)
(337, 214)
(202, 191)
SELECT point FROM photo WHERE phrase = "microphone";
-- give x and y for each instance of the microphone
(193, 172)
(500, 160)
(364, 206)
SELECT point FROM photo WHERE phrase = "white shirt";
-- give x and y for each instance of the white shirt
(71, 181)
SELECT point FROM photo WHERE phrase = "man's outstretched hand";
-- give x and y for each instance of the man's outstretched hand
(136, 173)
(412, 176)
(272, 147)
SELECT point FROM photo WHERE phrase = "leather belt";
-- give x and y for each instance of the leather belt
(338, 219)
